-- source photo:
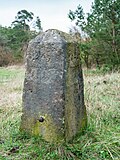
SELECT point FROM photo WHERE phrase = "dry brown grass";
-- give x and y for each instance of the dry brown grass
(11, 84)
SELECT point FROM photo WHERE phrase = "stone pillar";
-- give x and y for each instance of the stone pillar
(53, 95)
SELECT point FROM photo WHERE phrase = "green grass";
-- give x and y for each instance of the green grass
(7, 74)
(100, 141)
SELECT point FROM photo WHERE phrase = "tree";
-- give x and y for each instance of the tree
(21, 33)
(23, 19)
(14, 40)
(26, 20)
(78, 16)
(102, 26)
(5, 55)
(38, 24)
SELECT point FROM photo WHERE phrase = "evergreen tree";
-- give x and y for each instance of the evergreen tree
(102, 26)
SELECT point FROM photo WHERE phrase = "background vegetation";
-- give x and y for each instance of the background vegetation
(100, 41)
(14, 39)
(99, 30)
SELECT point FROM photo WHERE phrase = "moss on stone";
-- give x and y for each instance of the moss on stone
(47, 129)
(74, 122)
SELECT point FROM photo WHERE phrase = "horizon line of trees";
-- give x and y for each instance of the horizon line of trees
(100, 40)
(101, 27)
(14, 39)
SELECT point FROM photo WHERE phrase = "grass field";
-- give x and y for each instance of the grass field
(101, 140)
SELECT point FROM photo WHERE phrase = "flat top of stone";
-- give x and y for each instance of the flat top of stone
(55, 36)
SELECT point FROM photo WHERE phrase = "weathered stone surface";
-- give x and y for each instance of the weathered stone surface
(53, 98)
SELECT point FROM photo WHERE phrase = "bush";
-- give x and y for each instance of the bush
(6, 59)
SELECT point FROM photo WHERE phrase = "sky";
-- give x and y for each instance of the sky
(53, 13)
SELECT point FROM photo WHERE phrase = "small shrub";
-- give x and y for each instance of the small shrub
(6, 59)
